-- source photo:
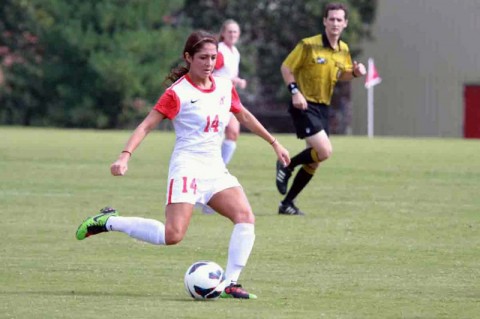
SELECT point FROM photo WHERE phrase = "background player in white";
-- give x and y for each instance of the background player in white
(199, 106)
(227, 66)
(228, 62)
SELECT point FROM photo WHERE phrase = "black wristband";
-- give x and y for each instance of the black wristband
(293, 87)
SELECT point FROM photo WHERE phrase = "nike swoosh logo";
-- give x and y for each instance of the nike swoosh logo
(193, 101)
(95, 219)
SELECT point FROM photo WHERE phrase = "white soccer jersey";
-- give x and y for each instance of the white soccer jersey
(199, 118)
(231, 62)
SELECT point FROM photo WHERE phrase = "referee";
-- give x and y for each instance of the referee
(311, 71)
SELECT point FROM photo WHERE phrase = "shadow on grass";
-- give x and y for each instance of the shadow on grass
(89, 294)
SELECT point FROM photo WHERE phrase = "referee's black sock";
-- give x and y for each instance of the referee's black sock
(307, 156)
(301, 180)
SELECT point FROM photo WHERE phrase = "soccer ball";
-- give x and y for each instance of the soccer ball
(202, 278)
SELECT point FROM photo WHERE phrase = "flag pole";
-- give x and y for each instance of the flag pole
(372, 79)
(370, 111)
(370, 98)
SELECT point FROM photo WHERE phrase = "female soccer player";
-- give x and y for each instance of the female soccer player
(199, 105)
(228, 61)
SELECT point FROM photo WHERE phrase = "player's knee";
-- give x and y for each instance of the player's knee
(173, 236)
(323, 153)
(244, 216)
(328, 152)
(231, 134)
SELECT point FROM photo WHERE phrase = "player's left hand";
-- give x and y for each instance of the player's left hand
(359, 69)
(240, 83)
(282, 153)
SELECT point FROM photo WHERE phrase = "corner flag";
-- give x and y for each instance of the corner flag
(372, 77)
(371, 80)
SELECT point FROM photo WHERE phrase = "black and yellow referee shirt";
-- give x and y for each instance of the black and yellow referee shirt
(316, 66)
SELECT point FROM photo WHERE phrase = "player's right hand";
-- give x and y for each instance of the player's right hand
(299, 102)
(119, 168)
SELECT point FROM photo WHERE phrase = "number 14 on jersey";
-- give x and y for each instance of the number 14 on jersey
(212, 125)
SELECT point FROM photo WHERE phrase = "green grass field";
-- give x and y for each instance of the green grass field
(392, 231)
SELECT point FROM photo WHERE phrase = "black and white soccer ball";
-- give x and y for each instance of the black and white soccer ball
(204, 280)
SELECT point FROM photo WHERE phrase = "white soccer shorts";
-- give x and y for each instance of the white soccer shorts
(185, 189)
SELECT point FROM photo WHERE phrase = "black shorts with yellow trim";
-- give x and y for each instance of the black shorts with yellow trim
(310, 121)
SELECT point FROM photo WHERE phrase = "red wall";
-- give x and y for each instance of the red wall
(471, 122)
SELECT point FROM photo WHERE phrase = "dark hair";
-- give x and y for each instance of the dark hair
(194, 43)
(335, 6)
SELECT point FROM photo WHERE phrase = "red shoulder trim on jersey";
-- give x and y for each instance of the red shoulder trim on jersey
(236, 106)
(168, 104)
(220, 61)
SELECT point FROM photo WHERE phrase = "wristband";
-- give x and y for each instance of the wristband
(127, 152)
(354, 75)
(274, 140)
(293, 88)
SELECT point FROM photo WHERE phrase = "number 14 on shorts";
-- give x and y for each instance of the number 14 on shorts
(186, 186)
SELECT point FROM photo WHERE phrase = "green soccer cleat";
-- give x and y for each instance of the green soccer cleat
(96, 224)
(236, 291)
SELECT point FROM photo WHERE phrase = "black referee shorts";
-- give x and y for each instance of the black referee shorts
(310, 121)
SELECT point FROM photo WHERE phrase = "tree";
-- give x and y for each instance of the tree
(20, 57)
(103, 61)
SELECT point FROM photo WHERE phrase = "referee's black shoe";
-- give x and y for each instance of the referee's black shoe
(289, 208)
(283, 175)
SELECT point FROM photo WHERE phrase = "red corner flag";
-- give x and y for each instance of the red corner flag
(372, 77)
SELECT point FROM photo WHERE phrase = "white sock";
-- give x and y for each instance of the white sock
(241, 244)
(150, 230)
(228, 148)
